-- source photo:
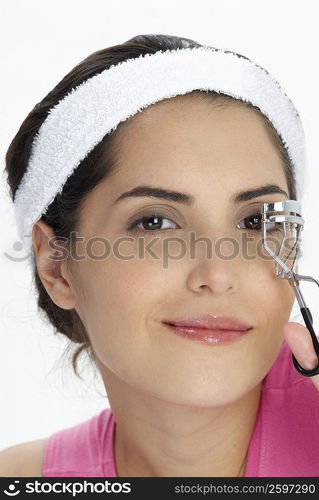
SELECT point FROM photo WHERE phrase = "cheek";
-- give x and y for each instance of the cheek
(272, 299)
(275, 295)
(136, 277)
(119, 298)
(129, 289)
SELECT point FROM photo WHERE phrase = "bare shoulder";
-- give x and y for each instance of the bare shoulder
(23, 459)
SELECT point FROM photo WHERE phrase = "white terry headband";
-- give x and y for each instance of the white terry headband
(95, 108)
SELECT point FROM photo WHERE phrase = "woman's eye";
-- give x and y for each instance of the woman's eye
(150, 223)
(254, 223)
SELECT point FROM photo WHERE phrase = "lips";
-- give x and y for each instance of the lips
(209, 329)
(209, 322)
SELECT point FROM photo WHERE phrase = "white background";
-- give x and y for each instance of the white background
(40, 42)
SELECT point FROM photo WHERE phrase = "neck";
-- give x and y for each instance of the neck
(157, 438)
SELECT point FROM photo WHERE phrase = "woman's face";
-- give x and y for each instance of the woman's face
(211, 153)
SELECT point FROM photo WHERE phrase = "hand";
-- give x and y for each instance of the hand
(299, 340)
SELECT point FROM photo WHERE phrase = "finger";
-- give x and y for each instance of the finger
(300, 343)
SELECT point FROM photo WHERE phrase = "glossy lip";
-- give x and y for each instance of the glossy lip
(209, 329)
(210, 322)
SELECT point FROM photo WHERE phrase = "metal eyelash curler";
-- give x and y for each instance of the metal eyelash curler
(284, 220)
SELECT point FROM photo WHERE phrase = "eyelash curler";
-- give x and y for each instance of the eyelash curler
(284, 220)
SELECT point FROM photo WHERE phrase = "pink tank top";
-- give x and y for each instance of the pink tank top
(284, 442)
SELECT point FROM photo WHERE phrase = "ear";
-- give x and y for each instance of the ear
(52, 268)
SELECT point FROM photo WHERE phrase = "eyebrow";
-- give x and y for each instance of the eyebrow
(187, 199)
(260, 191)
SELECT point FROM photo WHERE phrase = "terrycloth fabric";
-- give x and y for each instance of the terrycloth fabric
(284, 443)
(93, 109)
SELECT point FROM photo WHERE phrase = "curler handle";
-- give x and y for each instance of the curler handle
(306, 314)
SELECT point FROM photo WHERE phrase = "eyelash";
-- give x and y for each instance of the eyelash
(133, 226)
(274, 229)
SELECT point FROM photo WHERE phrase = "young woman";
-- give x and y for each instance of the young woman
(182, 403)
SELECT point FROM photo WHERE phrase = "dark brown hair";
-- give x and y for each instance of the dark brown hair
(63, 213)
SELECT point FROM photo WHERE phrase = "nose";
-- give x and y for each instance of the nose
(216, 275)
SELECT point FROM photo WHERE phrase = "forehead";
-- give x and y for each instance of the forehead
(210, 152)
(198, 133)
